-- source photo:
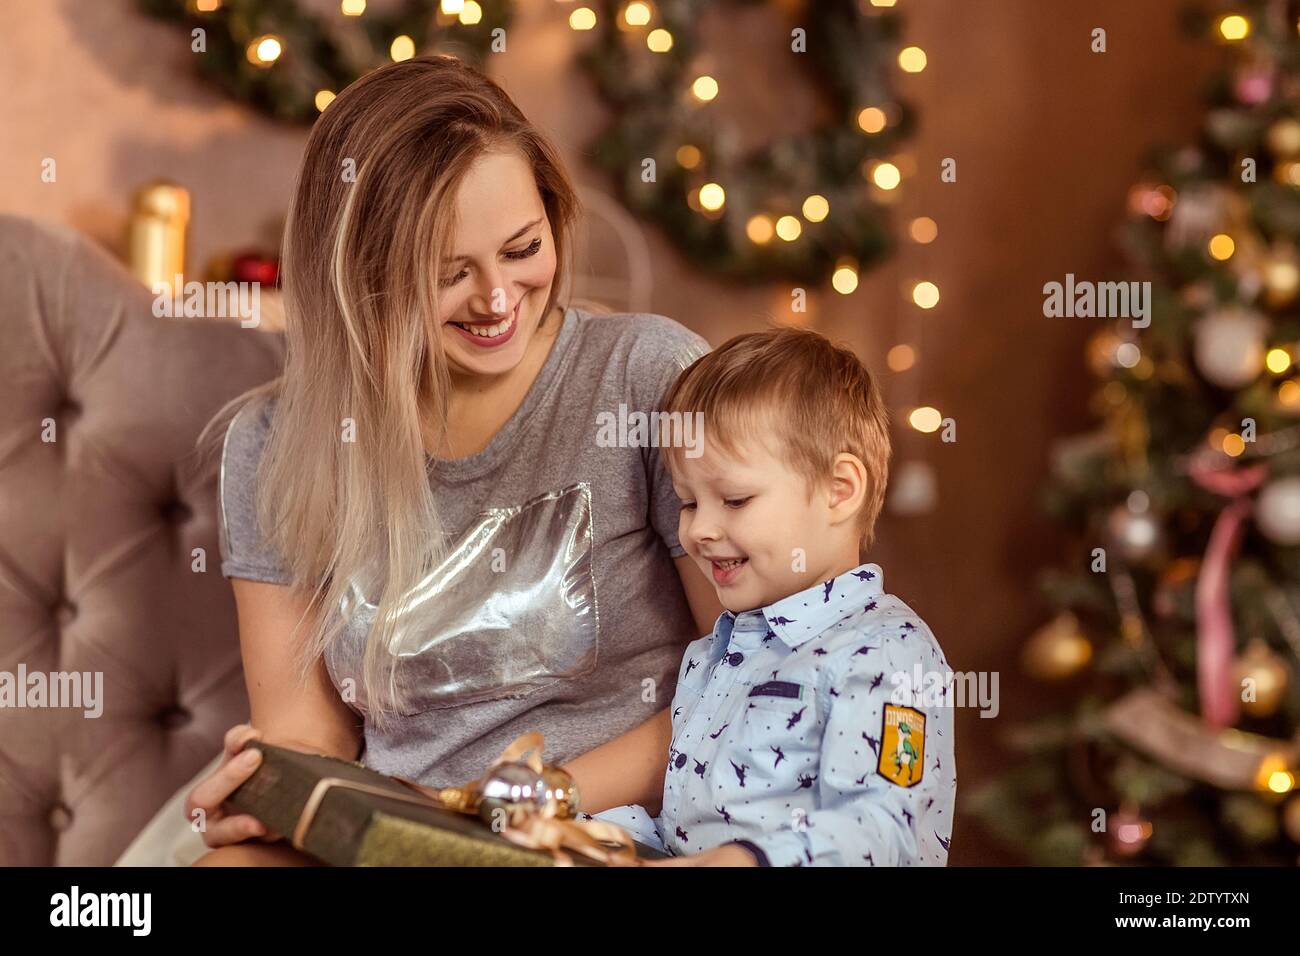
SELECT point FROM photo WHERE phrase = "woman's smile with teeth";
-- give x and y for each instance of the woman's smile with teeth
(489, 331)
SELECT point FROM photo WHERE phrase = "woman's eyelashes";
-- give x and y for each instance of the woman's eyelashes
(531, 249)
(528, 251)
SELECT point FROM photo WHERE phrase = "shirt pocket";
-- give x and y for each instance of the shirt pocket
(510, 610)
(778, 737)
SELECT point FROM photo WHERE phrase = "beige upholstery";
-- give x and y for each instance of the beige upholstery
(97, 536)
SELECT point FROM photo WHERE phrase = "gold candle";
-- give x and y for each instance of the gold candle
(160, 216)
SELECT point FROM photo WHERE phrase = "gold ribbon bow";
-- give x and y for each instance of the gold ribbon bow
(545, 827)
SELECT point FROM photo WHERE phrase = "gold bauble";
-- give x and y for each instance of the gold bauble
(1283, 137)
(1281, 275)
(1057, 650)
(1269, 676)
(510, 787)
(561, 788)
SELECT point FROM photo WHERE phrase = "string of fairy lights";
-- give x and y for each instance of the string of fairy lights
(641, 22)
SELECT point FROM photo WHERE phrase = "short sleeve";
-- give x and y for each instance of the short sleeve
(244, 552)
(662, 352)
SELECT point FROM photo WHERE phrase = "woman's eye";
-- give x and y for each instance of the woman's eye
(688, 505)
(530, 250)
(735, 502)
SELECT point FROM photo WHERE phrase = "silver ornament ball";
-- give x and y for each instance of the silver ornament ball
(1277, 512)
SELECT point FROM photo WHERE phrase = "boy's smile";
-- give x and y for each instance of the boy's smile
(725, 571)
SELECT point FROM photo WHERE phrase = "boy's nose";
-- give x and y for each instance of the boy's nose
(703, 532)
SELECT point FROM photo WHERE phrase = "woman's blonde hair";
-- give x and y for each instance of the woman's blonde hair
(370, 218)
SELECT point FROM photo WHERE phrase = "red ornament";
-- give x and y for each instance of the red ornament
(255, 267)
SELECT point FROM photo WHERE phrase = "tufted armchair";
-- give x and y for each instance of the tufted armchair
(103, 503)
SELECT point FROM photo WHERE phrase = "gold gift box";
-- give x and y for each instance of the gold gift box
(368, 819)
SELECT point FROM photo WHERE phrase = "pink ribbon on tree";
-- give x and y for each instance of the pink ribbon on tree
(1214, 633)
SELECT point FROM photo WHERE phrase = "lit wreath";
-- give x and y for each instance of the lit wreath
(289, 62)
(755, 215)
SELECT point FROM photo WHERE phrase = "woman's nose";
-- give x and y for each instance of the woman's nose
(492, 297)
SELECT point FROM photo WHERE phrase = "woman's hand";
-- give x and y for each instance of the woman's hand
(729, 854)
(205, 805)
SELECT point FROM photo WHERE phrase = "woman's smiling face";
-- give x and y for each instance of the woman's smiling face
(495, 281)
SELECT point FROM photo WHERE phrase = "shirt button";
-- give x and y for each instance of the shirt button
(734, 658)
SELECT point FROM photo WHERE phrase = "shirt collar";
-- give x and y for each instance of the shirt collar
(804, 615)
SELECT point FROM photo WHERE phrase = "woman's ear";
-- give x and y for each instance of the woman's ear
(848, 488)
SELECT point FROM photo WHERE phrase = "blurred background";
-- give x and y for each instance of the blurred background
(1050, 146)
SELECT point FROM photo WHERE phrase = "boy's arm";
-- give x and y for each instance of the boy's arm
(630, 769)
(626, 770)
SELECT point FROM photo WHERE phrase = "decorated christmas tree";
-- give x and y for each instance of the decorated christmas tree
(1177, 628)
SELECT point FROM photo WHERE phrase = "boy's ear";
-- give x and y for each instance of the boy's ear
(848, 487)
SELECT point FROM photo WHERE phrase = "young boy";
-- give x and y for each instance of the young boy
(797, 738)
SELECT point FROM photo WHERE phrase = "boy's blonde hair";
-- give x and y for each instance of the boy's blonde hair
(815, 398)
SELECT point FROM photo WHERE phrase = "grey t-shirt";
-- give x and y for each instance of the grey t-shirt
(559, 608)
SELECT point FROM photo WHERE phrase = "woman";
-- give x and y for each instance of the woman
(430, 550)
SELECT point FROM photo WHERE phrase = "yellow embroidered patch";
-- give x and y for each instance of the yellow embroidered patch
(902, 746)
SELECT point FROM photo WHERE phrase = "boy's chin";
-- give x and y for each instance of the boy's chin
(741, 601)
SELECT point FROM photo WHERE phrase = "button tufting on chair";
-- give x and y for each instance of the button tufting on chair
(84, 520)
(65, 612)
(60, 817)
(174, 718)
(176, 512)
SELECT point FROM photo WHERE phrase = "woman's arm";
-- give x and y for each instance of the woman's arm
(306, 716)
(630, 769)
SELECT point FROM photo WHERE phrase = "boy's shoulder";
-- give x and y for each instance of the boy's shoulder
(884, 634)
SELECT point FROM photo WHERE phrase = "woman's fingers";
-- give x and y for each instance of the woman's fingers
(270, 836)
(238, 736)
(236, 829)
(203, 806)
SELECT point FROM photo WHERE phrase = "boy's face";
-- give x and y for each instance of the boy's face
(745, 519)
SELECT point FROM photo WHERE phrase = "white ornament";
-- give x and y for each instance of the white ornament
(1229, 346)
(1137, 534)
(1278, 510)
(914, 489)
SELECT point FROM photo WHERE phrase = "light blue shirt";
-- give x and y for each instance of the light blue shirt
(793, 731)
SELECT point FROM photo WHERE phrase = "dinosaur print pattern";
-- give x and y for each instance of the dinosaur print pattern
(781, 710)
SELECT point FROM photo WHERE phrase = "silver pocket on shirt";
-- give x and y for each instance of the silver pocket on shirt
(510, 610)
